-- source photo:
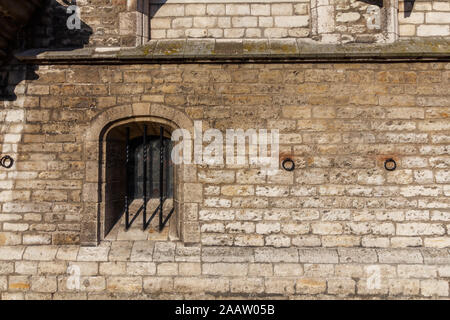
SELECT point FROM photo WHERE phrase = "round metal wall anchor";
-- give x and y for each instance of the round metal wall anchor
(288, 164)
(6, 162)
(390, 164)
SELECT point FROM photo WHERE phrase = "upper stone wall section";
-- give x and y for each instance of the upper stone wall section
(99, 25)
(130, 23)
(424, 18)
(225, 19)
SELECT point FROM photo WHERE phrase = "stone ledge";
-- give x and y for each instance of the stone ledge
(245, 50)
(163, 251)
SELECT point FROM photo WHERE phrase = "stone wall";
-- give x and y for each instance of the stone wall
(339, 122)
(324, 230)
(129, 23)
(342, 21)
(100, 25)
(145, 270)
(218, 19)
(424, 18)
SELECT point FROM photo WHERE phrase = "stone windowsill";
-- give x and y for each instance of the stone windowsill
(246, 50)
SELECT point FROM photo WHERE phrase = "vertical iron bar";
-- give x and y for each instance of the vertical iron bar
(161, 176)
(127, 161)
(150, 174)
(144, 189)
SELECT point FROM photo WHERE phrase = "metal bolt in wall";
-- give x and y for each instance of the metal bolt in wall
(390, 164)
(288, 164)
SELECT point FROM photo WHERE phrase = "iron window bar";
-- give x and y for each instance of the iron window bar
(144, 187)
(127, 164)
(162, 222)
(162, 197)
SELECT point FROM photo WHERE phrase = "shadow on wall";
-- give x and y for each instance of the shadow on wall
(409, 5)
(47, 29)
(374, 2)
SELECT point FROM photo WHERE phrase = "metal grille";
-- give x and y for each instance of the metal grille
(149, 176)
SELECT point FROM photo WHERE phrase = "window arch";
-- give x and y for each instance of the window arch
(184, 224)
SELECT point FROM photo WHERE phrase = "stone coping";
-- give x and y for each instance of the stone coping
(244, 50)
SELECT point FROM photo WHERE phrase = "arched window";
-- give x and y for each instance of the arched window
(106, 184)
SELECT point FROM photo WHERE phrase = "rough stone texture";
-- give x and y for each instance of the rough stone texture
(346, 119)
(339, 225)
(286, 280)
(425, 18)
(238, 50)
(344, 21)
(248, 19)
(133, 22)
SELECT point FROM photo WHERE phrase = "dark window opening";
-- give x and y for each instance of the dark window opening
(139, 177)
(135, 169)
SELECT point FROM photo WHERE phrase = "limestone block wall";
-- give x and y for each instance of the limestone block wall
(230, 19)
(424, 18)
(161, 270)
(337, 121)
(129, 23)
(341, 21)
(322, 231)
